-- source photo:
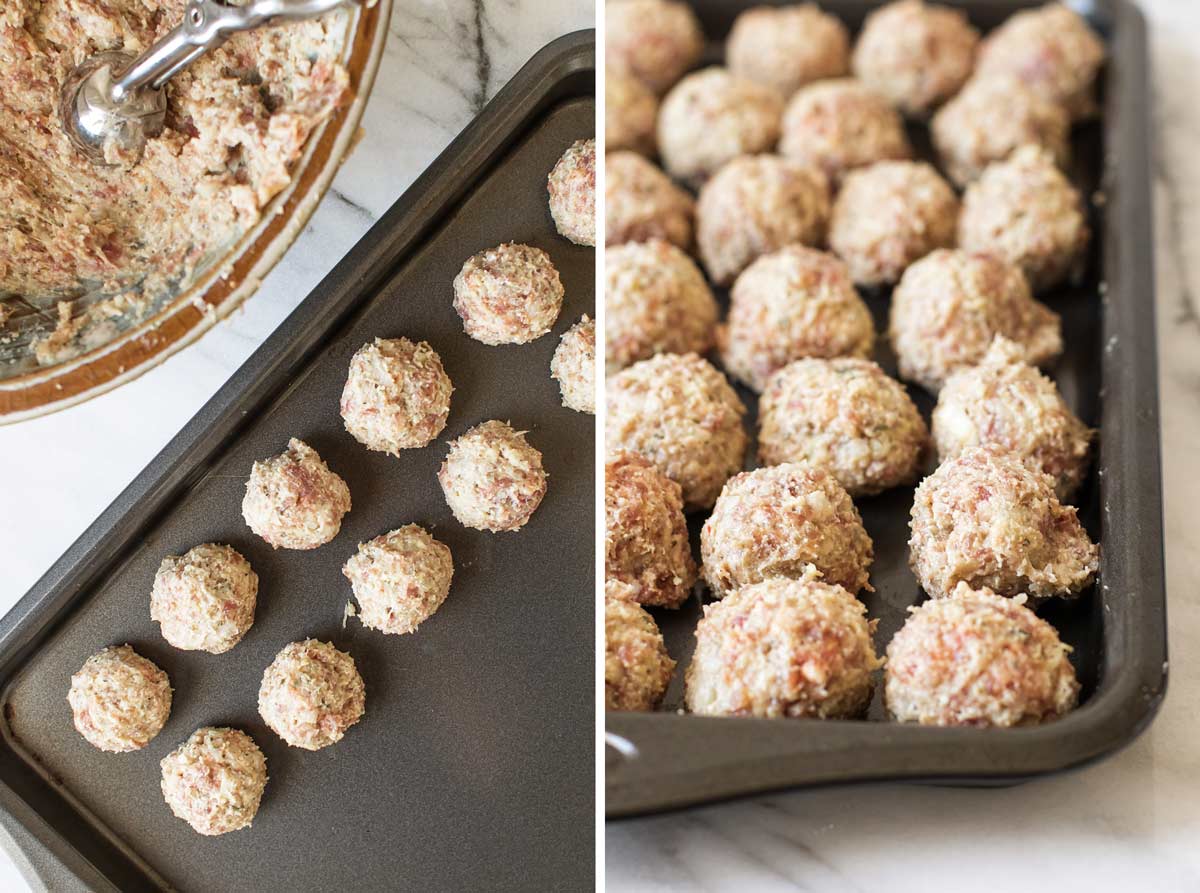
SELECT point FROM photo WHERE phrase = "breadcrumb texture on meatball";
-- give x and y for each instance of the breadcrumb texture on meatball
(630, 113)
(400, 579)
(204, 600)
(572, 189)
(641, 203)
(510, 294)
(655, 41)
(294, 500)
(787, 47)
(311, 694)
(493, 478)
(119, 700)
(637, 668)
(573, 366)
(214, 781)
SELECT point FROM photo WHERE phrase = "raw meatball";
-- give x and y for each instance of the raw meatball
(681, 414)
(645, 533)
(119, 700)
(712, 117)
(400, 579)
(510, 294)
(977, 659)
(990, 119)
(839, 125)
(783, 648)
(311, 694)
(293, 500)
(204, 599)
(915, 55)
(756, 205)
(797, 302)
(655, 41)
(847, 416)
(1053, 50)
(572, 188)
(889, 215)
(215, 780)
(492, 478)
(986, 519)
(397, 395)
(641, 203)
(656, 301)
(1026, 211)
(775, 522)
(787, 47)
(637, 668)
(949, 307)
(630, 112)
(574, 366)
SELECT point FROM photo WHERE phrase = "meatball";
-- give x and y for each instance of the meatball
(949, 307)
(839, 125)
(119, 700)
(990, 119)
(889, 215)
(712, 117)
(641, 203)
(492, 478)
(397, 396)
(783, 648)
(775, 522)
(204, 600)
(1006, 404)
(655, 41)
(756, 205)
(630, 112)
(400, 579)
(977, 659)
(797, 302)
(572, 188)
(215, 780)
(510, 294)
(681, 414)
(656, 301)
(293, 500)
(986, 519)
(1026, 211)
(645, 533)
(637, 668)
(847, 416)
(787, 47)
(311, 694)
(916, 55)
(573, 366)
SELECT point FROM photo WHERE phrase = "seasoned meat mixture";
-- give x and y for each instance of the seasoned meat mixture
(119, 700)
(637, 668)
(204, 600)
(400, 579)
(573, 366)
(215, 780)
(311, 694)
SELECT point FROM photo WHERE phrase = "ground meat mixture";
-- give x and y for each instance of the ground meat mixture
(510, 294)
(294, 500)
(788, 47)
(492, 478)
(637, 668)
(215, 780)
(119, 700)
(311, 694)
(630, 113)
(641, 203)
(204, 600)
(399, 579)
(977, 659)
(655, 41)
(572, 188)
(573, 366)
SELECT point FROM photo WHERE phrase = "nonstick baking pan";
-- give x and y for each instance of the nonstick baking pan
(474, 764)
(1108, 374)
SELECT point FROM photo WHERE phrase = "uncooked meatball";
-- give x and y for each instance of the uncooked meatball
(204, 600)
(756, 205)
(916, 55)
(949, 307)
(293, 500)
(656, 301)
(787, 47)
(1026, 211)
(847, 416)
(637, 668)
(645, 533)
(492, 478)
(797, 302)
(119, 700)
(710, 118)
(215, 780)
(630, 112)
(977, 659)
(641, 203)
(572, 188)
(775, 522)
(783, 648)
(311, 694)
(397, 395)
(681, 414)
(839, 125)
(986, 519)
(655, 41)
(573, 366)
(510, 294)
(399, 579)
(889, 215)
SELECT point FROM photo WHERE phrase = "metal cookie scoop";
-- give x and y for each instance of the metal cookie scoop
(112, 103)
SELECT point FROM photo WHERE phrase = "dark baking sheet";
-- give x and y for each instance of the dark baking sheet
(1108, 375)
(474, 762)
